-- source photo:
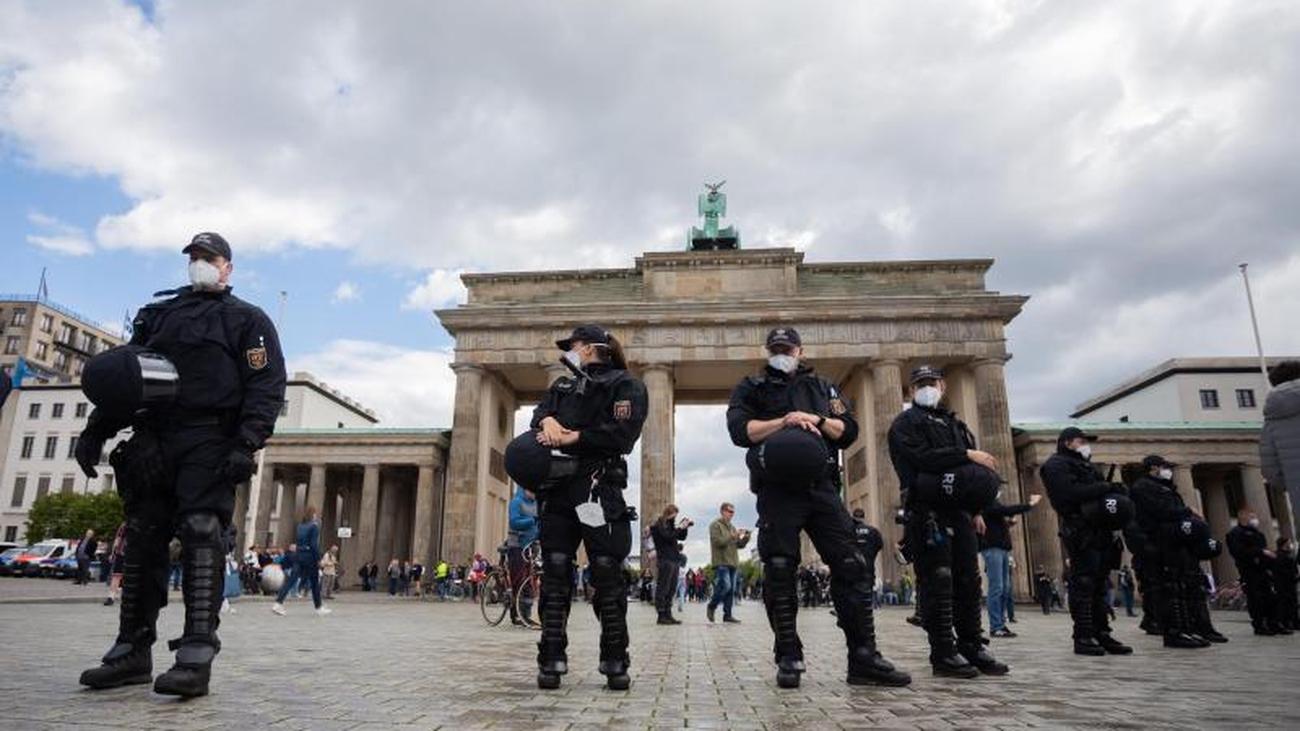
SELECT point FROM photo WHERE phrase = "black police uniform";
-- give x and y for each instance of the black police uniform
(608, 407)
(1168, 574)
(1247, 545)
(869, 543)
(668, 561)
(786, 509)
(231, 388)
(1072, 481)
(1285, 572)
(941, 540)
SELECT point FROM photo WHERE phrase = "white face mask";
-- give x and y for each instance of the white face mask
(1253, 522)
(927, 396)
(1085, 451)
(783, 362)
(204, 275)
(1165, 473)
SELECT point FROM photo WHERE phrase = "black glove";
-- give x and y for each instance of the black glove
(239, 465)
(90, 449)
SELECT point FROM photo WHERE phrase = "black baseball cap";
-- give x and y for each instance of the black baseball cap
(588, 333)
(1074, 432)
(1156, 460)
(926, 372)
(212, 243)
(783, 336)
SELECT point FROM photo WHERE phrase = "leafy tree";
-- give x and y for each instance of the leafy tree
(68, 515)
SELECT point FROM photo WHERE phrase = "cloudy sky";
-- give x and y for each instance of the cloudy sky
(1118, 160)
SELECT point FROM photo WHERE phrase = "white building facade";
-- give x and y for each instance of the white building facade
(1185, 390)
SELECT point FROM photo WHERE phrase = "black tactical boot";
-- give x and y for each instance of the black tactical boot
(202, 584)
(789, 671)
(1113, 646)
(944, 659)
(130, 660)
(1176, 627)
(868, 667)
(781, 600)
(610, 605)
(983, 660)
(553, 610)
(1085, 632)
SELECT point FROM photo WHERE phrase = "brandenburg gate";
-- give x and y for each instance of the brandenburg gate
(693, 324)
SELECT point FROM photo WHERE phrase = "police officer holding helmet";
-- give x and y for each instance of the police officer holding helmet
(945, 483)
(200, 384)
(573, 458)
(1091, 509)
(793, 424)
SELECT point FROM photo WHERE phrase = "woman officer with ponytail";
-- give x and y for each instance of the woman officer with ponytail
(574, 458)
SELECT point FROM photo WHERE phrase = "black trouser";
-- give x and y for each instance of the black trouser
(1260, 600)
(1093, 554)
(607, 546)
(1045, 599)
(83, 570)
(1284, 588)
(948, 578)
(191, 500)
(783, 512)
(666, 585)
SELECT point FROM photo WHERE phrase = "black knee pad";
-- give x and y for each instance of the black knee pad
(557, 565)
(780, 568)
(606, 571)
(850, 569)
(941, 574)
(201, 527)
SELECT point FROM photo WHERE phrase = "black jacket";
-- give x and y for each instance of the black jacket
(1159, 506)
(1247, 545)
(608, 409)
(228, 356)
(775, 393)
(927, 440)
(665, 536)
(868, 540)
(1071, 481)
(996, 534)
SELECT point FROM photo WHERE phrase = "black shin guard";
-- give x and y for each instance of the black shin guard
(610, 605)
(553, 610)
(203, 559)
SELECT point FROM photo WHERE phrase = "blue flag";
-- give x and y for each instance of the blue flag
(20, 372)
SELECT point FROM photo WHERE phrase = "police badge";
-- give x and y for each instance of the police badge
(622, 410)
(256, 358)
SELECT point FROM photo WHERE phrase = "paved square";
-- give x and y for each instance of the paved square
(378, 663)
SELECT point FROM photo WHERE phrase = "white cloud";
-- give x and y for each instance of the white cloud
(407, 387)
(346, 292)
(440, 288)
(57, 236)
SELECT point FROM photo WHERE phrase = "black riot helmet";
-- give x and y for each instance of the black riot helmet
(129, 378)
(792, 456)
(1194, 534)
(1112, 511)
(971, 487)
(527, 461)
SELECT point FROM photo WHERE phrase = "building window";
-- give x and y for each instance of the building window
(72, 446)
(11, 345)
(78, 365)
(51, 447)
(81, 410)
(1209, 398)
(69, 483)
(20, 491)
(284, 408)
(108, 482)
(29, 441)
(56, 411)
(34, 411)
(67, 333)
(60, 361)
(42, 350)
(42, 486)
(1246, 398)
(87, 342)
(47, 324)
(19, 318)
(11, 533)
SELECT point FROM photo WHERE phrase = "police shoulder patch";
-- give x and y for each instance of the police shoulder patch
(622, 410)
(837, 407)
(256, 358)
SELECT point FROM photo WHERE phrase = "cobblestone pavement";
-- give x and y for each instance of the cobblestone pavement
(378, 663)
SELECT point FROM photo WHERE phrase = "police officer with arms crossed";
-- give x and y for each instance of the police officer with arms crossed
(573, 458)
(1090, 509)
(945, 482)
(794, 423)
(177, 473)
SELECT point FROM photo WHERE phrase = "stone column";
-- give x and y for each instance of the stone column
(1216, 514)
(657, 443)
(1186, 485)
(329, 517)
(887, 396)
(239, 519)
(367, 518)
(388, 500)
(995, 438)
(422, 535)
(265, 502)
(316, 488)
(286, 525)
(464, 477)
(1256, 494)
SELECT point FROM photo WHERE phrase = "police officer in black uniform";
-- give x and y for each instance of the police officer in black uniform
(868, 540)
(1074, 488)
(1249, 549)
(945, 482)
(574, 458)
(794, 423)
(1168, 572)
(177, 473)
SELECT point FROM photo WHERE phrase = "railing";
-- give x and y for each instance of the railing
(65, 311)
